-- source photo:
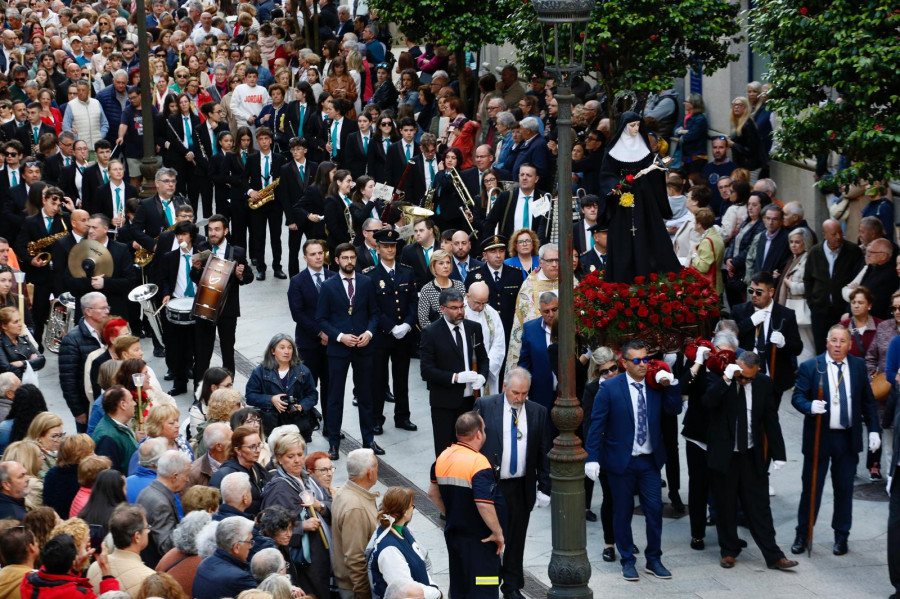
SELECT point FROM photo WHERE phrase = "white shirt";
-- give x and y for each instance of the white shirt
(262, 167)
(117, 209)
(220, 249)
(748, 392)
(94, 333)
(588, 236)
(834, 413)
(429, 163)
(520, 209)
(336, 134)
(183, 273)
(508, 440)
(9, 175)
(647, 447)
(547, 341)
(465, 351)
(831, 256)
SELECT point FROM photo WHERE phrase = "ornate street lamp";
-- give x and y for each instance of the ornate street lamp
(563, 25)
(150, 162)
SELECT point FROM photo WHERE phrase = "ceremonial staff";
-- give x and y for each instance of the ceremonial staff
(815, 467)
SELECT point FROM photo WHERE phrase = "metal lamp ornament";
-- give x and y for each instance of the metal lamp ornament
(20, 281)
(138, 380)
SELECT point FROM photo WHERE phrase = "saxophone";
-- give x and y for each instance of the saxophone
(143, 256)
(36, 248)
(266, 195)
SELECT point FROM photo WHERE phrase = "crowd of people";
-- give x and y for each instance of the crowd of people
(418, 228)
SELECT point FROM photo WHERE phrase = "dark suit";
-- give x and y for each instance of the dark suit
(590, 262)
(312, 129)
(471, 264)
(438, 365)
(891, 419)
(610, 442)
(151, 219)
(503, 295)
(504, 214)
(376, 161)
(520, 491)
(882, 281)
(823, 287)
(416, 185)
(397, 303)
(9, 130)
(190, 173)
(91, 179)
(336, 222)
(289, 191)
(750, 336)
(205, 180)
(68, 183)
(179, 339)
(534, 151)
(60, 253)
(414, 256)
(303, 299)
(472, 181)
(115, 288)
(396, 161)
(52, 171)
(364, 258)
(267, 216)
(579, 230)
(356, 154)
(233, 174)
(25, 135)
(348, 127)
(336, 315)
(743, 475)
(840, 447)
(105, 203)
(778, 255)
(535, 359)
(14, 213)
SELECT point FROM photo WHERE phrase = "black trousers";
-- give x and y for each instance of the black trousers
(316, 360)
(261, 219)
(606, 510)
(820, 322)
(443, 424)
(893, 532)
(399, 357)
(744, 481)
(240, 222)
(362, 380)
(518, 513)
(698, 488)
(295, 245)
(205, 340)
(673, 461)
(179, 340)
(468, 559)
(40, 308)
(205, 188)
(836, 449)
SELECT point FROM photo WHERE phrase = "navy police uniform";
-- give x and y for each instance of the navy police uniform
(504, 292)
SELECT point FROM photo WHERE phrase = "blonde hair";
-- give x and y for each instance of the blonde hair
(200, 498)
(287, 441)
(157, 416)
(27, 453)
(737, 124)
(42, 423)
(222, 404)
(436, 256)
(76, 527)
(90, 468)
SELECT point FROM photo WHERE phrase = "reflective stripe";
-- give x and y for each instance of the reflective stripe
(454, 481)
(487, 581)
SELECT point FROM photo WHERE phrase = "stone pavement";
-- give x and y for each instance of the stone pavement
(860, 573)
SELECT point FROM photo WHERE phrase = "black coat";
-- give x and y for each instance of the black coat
(376, 162)
(33, 229)
(504, 214)
(303, 298)
(21, 351)
(73, 351)
(396, 161)
(397, 302)
(312, 129)
(150, 220)
(232, 307)
(115, 288)
(103, 201)
(356, 154)
(414, 256)
(25, 136)
(336, 222)
(438, 364)
(290, 190)
(782, 319)
(258, 479)
(778, 255)
(178, 146)
(52, 171)
(92, 178)
(312, 202)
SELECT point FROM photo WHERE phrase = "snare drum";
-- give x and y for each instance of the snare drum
(178, 311)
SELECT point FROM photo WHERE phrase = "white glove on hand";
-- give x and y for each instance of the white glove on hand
(592, 470)
(777, 338)
(541, 500)
(479, 382)
(663, 375)
(758, 317)
(817, 407)
(778, 464)
(467, 376)
(731, 370)
(702, 354)
(400, 331)
(874, 441)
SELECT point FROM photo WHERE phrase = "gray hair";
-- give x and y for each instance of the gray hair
(530, 123)
(231, 531)
(547, 247)
(727, 324)
(450, 295)
(369, 222)
(277, 585)
(440, 75)
(215, 433)
(206, 539)
(517, 373)
(773, 207)
(234, 486)
(166, 171)
(749, 359)
(121, 73)
(187, 534)
(807, 235)
(548, 297)
(360, 461)
(401, 589)
(172, 462)
(767, 186)
(220, 67)
(726, 338)
(592, 105)
(8, 381)
(265, 563)
(32, 84)
(872, 223)
(506, 119)
(499, 102)
(794, 208)
(88, 299)
(67, 135)
(151, 450)
(269, 362)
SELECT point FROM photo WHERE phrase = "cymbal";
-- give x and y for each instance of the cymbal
(90, 255)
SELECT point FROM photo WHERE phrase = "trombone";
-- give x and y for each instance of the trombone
(465, 196)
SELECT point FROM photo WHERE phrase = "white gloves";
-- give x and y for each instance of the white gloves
(664, 375)
(758, 317)
(467, 376)
(777, 338)
(479, 382)
(874, 441)
(541, 500)
(817, 407)
(400, 331)
(778, 464)
(588, 353)
(731, 370)
(592, 470)
(702, 354)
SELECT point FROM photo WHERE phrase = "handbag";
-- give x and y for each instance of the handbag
(801, 310)
(710, 275)
(880, 386)
(30, 377)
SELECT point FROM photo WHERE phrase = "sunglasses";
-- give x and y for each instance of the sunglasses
(637, 361)
(605, 371)
(756, 292)
(11, 154)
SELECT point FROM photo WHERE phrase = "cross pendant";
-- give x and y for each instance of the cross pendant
(633, 230)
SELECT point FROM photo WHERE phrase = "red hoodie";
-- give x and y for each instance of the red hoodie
(40, 585)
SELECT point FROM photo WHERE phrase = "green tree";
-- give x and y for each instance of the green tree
(821, 51)
(460, 25)
(639, 45)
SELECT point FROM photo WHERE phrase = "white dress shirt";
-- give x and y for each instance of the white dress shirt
(495, 341)
(647, 447)
(262, 167)
(748, 393)
(508, 440)
(520, 208)
(834, 414)
(183, 273)
(465, 351)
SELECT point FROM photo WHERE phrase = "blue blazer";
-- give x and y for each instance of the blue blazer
(862, 403)
(303, 299)
(535, 359)
(611, 437)
(334, 314)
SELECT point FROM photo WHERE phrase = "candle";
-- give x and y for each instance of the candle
(20, 280)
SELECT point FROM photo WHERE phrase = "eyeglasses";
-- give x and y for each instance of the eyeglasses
(11, 154)
(637, 361)
(325, 470)
(756, 292)
(254, 447)
(895, 309)
(605, 371)
(251, 420)
(372, 230)
(182, 76)
(101, 308)
(524, 242)
(550, 260)
(250, 542)
(127, 49)
(58, 436)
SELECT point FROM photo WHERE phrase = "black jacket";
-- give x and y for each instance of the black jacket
(21, 351)
(258, 479)
(438, 364)
(73, 351)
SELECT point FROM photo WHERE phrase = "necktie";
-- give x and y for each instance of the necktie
(408, 153)
(842, 394)
(35, 133)
(212, 142)
(526, 219)
(513, 441)
(215, 250)
(761, 345)
(463, 268)
(497, 277)
(386, 143)
(431, 170)
(167, 208)
(427, 256)
(118, 201)
(741, 434)
(458, 336)
(68, 161)
(318, 281)
(391, 273)
(244, 157)
(105, 176)
(187, 132)
(334, 139)
(302, 174)
(49, 222)
(365, 144)
(81, 169)
(302, 115)
(350, 290)
(266, 171)
(189, 284)
(374, 255)
(15, 177)
(641, 414)
(592, 241)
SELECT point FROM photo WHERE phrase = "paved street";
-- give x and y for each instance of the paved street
(860, 573)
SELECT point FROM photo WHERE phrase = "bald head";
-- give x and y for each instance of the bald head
(80, 220)
(834, 236)
(879, 252)
(477, 296)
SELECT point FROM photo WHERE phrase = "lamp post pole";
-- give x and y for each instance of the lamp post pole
(150, 162)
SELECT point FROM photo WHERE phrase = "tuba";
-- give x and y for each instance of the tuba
(60, 321)
(266, 195)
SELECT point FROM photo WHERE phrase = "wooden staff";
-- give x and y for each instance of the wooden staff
(815, 470)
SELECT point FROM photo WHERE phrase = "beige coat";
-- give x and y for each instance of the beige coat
(353, 515)
(128, 569)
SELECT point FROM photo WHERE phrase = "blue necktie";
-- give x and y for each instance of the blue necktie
(526, 219)
(187, 132)
(386, 143)
(105, 176)
(513, 442)
(391, 273)
(49, 222)
(302, 174)
(302, 115)
(212, 142)
(463, 268)
(35, 132)
(167, 208)
(318, 281)
(266, 171)
(374, 256)
(15, 180)
(118, 201)
(366, 145)
(842, 393)
(68, 161)
(244, 157)
(408, 152)
(427, 256)
(334, 139)
(641, 414)
(189, 285)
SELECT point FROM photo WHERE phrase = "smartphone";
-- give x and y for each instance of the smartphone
(97, 535)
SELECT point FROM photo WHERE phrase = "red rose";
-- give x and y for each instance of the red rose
(667, 321)
(611, 314)
(629, 179)
(629, 312)
(654, 319)
(654, 37)
(671, 276)
(623, 325)
(654, 277)
(638, 280)
(619, 306)
(804, 11)
(879, 128)
(832, 136)
(643, 312)
(641, 326)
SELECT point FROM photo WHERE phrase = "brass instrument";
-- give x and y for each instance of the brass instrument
(465, 196)
(142, 295)
(142, 256)
(410, 215)
(266, 195)
(428, 200)
(35, 248)
(60, 321)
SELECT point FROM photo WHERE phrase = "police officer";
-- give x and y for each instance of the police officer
(395, 292)
(464, 490)
(595, 258)
(503, 280)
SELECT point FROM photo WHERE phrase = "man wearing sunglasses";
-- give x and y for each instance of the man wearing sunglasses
(769, 330)
(626, 439)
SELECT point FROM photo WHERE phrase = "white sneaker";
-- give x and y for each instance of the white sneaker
(771, 491)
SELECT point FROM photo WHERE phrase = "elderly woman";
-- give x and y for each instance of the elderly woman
(243, 457)
(321, 477)
(861, 323)
(28, 454)
(710, 252)
(61, 481)
(876, 358)
(791, 291)
(16, 350)
(162, 422)
(289, 489)
(46, 431)
(282, 388)
(441, 265)
(181, 561)
(227, 572)
(523, 249)
(395, 555)
(222, 404)
(277, 525)
(503, 156)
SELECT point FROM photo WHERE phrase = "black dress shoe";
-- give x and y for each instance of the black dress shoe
(334, 453)
(279, 274)
(840, 547)
(609, 554)
(635, 550)
(378, 429)
(261, 275)
(742, 543)
(677, 503)
(799, 545)
(698, 544)
(159, 352)
(590, 516)
(169, 376)
(376, 449)
(389, 398)
(355, 401)
(177, 391)
(406, 425)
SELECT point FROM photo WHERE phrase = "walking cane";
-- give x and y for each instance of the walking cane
(815, 471)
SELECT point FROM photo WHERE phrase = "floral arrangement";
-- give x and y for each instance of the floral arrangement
(658, 302)
(626, 200)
